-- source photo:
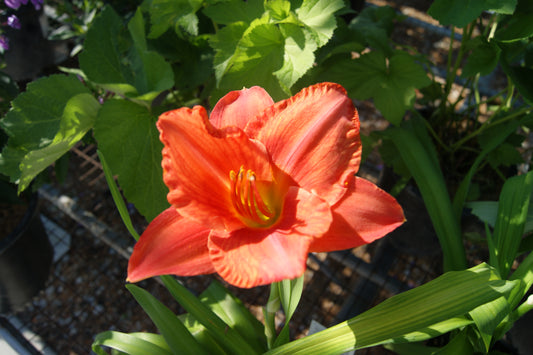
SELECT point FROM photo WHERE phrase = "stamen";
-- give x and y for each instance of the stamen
(247, 200)
(258, 200)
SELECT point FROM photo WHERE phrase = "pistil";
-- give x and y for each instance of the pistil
(247, 200)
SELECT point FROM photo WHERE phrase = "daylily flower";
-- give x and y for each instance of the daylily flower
(259, 185)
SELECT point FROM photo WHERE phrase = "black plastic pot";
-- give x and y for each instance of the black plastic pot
(416, 236)
(25, 259)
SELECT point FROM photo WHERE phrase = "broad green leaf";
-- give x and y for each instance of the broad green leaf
(194, 67)
(278, 10)
(451, 295)
(522, 78)
(167, 14)
(460, 13)
(319, 15)
(120, 63)
(486, 211)
(77, 119)
(178, 338)
(225, 44)
(374, 25)
(128, 138)
(299, 55)
(258, 55)
(505, 155)
(220, 331)
(35, 117)
(517, 27)
(10, 159)
(391, 82)
(228, 12)
(430, 181)
(192, 64)
(133, 344)
(512, 216)
(137, 31)
(189, 23)
(483, 59)
(103, 55)
(117, 197)
(152, 74)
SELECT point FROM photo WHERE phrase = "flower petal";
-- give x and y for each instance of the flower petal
(170, 245)
(197, 161)
(314, 138)
(236, 108)
(366, 213)
(252, 257)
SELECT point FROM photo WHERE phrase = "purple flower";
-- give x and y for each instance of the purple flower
(13, 21)
(36, 3)
(14, 4)
(4, 43)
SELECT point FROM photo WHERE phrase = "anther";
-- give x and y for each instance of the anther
(246, 198)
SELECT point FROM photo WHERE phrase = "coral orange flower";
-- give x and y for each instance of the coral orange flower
(259, 185)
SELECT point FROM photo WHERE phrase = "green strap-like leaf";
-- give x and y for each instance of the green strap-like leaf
(431, 183)
(222, 333)
(495, 141)
(512, 216)
(290, 292)
(487, 318)
(418, 310)
(269, 312)
(231, 310)
(133, 344)
(178, 338)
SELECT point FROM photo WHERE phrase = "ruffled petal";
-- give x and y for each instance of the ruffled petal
(197, 163)
(366, 213)
(314, 138)
(252, 257)
(236, 108)
(170, 245)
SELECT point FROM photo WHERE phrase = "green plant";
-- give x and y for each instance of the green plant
(168, 54)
